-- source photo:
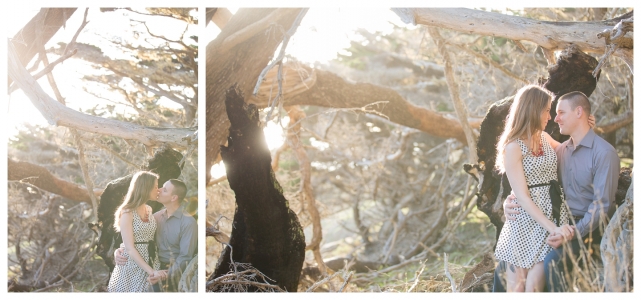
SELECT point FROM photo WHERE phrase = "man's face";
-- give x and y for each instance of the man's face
(565, 117)
(166, 193)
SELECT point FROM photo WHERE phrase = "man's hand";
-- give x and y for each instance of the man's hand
(555, 240)
(509, 208)
(157, 276)
(120, 259)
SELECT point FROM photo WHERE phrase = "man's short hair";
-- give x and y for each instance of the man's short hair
(180, 188)
(577, 99)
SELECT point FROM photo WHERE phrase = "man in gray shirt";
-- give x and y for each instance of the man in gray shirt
(176, 235)
(588, 168)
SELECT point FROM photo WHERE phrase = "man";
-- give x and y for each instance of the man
(176, 235)
(588, 168)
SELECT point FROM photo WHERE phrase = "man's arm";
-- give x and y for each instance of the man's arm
(606, 179)
(188, 246)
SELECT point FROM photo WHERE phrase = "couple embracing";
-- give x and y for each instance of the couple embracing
(544, 228)
(156, 247)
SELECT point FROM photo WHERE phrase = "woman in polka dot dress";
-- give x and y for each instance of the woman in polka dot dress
(525, 155)
(138, 228)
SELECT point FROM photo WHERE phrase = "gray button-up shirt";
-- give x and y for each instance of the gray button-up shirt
(177, 239)
(589, 174)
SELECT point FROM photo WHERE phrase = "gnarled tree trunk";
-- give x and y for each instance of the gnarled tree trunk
(237, 56)
(266, 232)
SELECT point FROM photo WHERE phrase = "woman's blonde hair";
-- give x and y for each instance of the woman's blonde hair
(524, 119)
(141, 185)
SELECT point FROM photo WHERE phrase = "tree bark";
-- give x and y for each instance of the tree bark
(550, 35)
(43, 179)
(617, 248)
(58, 114)
(240, 65)
(266, 232)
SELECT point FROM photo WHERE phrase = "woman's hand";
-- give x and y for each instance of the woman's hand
(566, 231)
(591, 121)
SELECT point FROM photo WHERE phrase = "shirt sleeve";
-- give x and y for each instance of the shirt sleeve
(188, 246)
(606, 179)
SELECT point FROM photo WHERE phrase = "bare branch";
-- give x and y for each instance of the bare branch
(459, 106)
(60, 115)
(488, 61)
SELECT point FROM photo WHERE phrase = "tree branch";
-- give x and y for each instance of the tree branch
(619, 122)
(253, 29)
(43, 179)
(488, 61)
(220, 17)
(26, 38)
(459, 106)
(332, 91)
(549, 35)
(306, 191)
(60, 115)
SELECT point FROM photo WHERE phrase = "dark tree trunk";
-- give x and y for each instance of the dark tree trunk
(266, 232)
(165, 164)
(241, 64)
(573, 72)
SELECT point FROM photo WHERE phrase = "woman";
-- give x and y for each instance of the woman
(526, 155)
(137, 225)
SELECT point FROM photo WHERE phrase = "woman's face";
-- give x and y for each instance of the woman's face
(545, 115)
(153, 194)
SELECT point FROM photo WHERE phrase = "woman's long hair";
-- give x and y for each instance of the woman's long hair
(141, 185)
(524, 119)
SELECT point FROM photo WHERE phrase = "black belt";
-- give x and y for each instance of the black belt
(151, 250)
(555, 195)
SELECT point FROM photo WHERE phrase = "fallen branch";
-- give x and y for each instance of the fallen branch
(447, 273)
(43, 179)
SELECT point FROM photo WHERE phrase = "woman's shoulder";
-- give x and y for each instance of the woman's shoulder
(513, 148)
(513, 145)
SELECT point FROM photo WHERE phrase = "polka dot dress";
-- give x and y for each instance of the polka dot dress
(130, 277)
(522, 241)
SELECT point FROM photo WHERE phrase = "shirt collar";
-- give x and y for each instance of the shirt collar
(587, 141)
(177, 214)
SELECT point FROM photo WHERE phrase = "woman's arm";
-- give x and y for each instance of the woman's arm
(552, 141)
(127, 231)
(516, 176)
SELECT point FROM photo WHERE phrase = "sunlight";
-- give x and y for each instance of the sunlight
(324, 32)
(218, 170)
(274, 134)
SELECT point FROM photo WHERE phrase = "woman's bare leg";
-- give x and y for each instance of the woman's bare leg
(535, 278)
(516, 278)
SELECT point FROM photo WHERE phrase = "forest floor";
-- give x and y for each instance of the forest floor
(465, 248)
(92, 277)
